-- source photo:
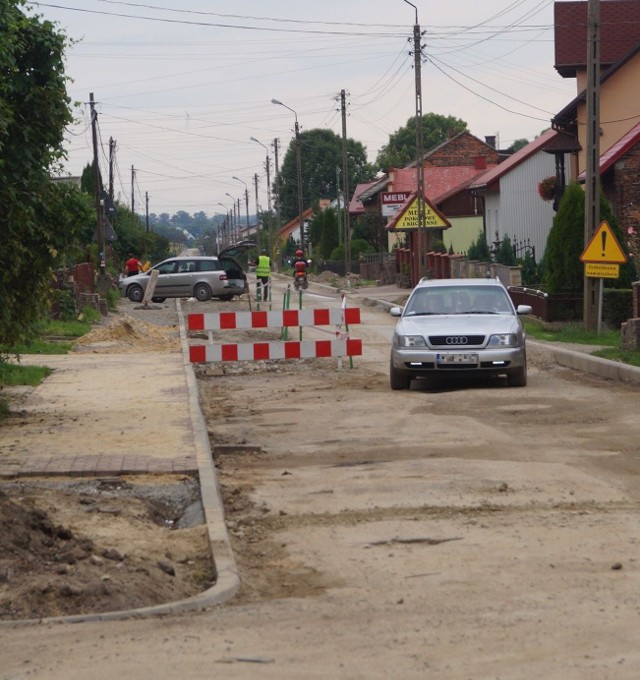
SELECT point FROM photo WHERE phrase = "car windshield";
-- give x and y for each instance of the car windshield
(458, 300)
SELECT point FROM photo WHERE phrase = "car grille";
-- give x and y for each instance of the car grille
(456, 341)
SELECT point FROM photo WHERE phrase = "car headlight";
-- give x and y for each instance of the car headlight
(503, 340)
(409, 341)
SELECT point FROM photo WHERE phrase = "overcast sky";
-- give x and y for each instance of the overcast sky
(182, 90)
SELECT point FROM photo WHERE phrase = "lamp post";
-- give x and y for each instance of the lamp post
(298, 169)
(246, 202)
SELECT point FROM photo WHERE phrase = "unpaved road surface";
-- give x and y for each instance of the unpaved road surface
(467, 530)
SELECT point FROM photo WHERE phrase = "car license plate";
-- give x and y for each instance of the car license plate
(468, 359)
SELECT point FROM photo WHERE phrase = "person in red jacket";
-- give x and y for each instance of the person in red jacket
(132, 266)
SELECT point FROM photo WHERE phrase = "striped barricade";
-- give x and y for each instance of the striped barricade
(340, 346)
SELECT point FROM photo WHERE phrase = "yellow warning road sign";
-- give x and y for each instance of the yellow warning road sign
(408, 218)
(603, 248)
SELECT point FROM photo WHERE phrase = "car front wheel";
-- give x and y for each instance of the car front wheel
(518, 377)
(202, 292)
(135, 293)
(398, 380)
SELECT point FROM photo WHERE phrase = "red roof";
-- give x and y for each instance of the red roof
(514, 160)
(439, 182)
(619, 33)
(615, 152)
(356, 206)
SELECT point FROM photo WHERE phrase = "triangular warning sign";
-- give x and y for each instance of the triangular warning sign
(603, 247)
(407, 217)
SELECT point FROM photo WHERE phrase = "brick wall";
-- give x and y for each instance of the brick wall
(463, 149)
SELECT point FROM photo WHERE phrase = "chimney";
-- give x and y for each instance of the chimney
(490, 140)
(452, 132)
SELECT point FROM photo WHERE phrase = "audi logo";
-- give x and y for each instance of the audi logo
(457, 340)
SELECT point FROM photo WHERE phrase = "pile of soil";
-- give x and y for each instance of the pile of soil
(90, 546)
(124, 333)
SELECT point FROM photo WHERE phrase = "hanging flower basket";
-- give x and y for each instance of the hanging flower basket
(547, 188)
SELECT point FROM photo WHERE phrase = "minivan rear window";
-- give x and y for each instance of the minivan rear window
(210, 265)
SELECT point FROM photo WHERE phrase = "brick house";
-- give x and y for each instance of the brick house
(619, 98)
(449, 169)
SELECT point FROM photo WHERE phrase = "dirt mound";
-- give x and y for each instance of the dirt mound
(124, 333)
(98, 545)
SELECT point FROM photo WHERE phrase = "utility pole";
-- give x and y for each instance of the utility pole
(112, 154)
(276, 168)
(340, 203)
(255, 181)
(97, 189)
(592, 304)
(345, 185)
(146, 198)
(299, 179)
(246, 206)
(133, 193)
(422, 236)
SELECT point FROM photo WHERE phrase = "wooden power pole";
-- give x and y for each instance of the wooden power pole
(592, 286)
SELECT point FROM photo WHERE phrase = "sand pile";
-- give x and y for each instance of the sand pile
(126, 334)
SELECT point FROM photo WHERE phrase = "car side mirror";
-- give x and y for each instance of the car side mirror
(395, 311)
(524, 309)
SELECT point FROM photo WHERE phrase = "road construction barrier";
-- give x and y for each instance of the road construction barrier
(340, 346)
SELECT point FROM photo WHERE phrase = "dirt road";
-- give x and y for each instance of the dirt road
(457, 531)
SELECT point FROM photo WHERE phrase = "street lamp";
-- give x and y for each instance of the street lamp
(246, 201)
(299, 170)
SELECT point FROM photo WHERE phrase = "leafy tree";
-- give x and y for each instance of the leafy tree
(530, 270)
(401, 147)
(329, 236)
(505, 253)
(518, 144)
(358, 247)
(563, 271)
(371, 226)
(34, 110)
(320, 154)
(479, 249)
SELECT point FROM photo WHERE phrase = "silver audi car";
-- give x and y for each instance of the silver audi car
(458, 326)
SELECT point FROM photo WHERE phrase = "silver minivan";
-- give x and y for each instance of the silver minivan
(200, 277)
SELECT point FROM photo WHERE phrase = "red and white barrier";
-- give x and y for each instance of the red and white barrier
(305, 349)
(214, 321)
(340, 346)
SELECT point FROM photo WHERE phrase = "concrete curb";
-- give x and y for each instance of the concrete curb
(228, 580)
(581, 361)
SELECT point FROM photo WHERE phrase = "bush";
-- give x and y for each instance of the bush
(479, 249)
(617, 306)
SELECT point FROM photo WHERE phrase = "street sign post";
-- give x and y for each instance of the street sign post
(602, 258)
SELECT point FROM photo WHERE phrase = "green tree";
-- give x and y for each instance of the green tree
(505, 254)
(329, 236)
(320, 154)
(34, 110)
(371, 227)
(518, 144)
(401, 147)
(479, 249)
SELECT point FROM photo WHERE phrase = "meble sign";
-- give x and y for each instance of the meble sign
(390, 197)
(392, 201)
